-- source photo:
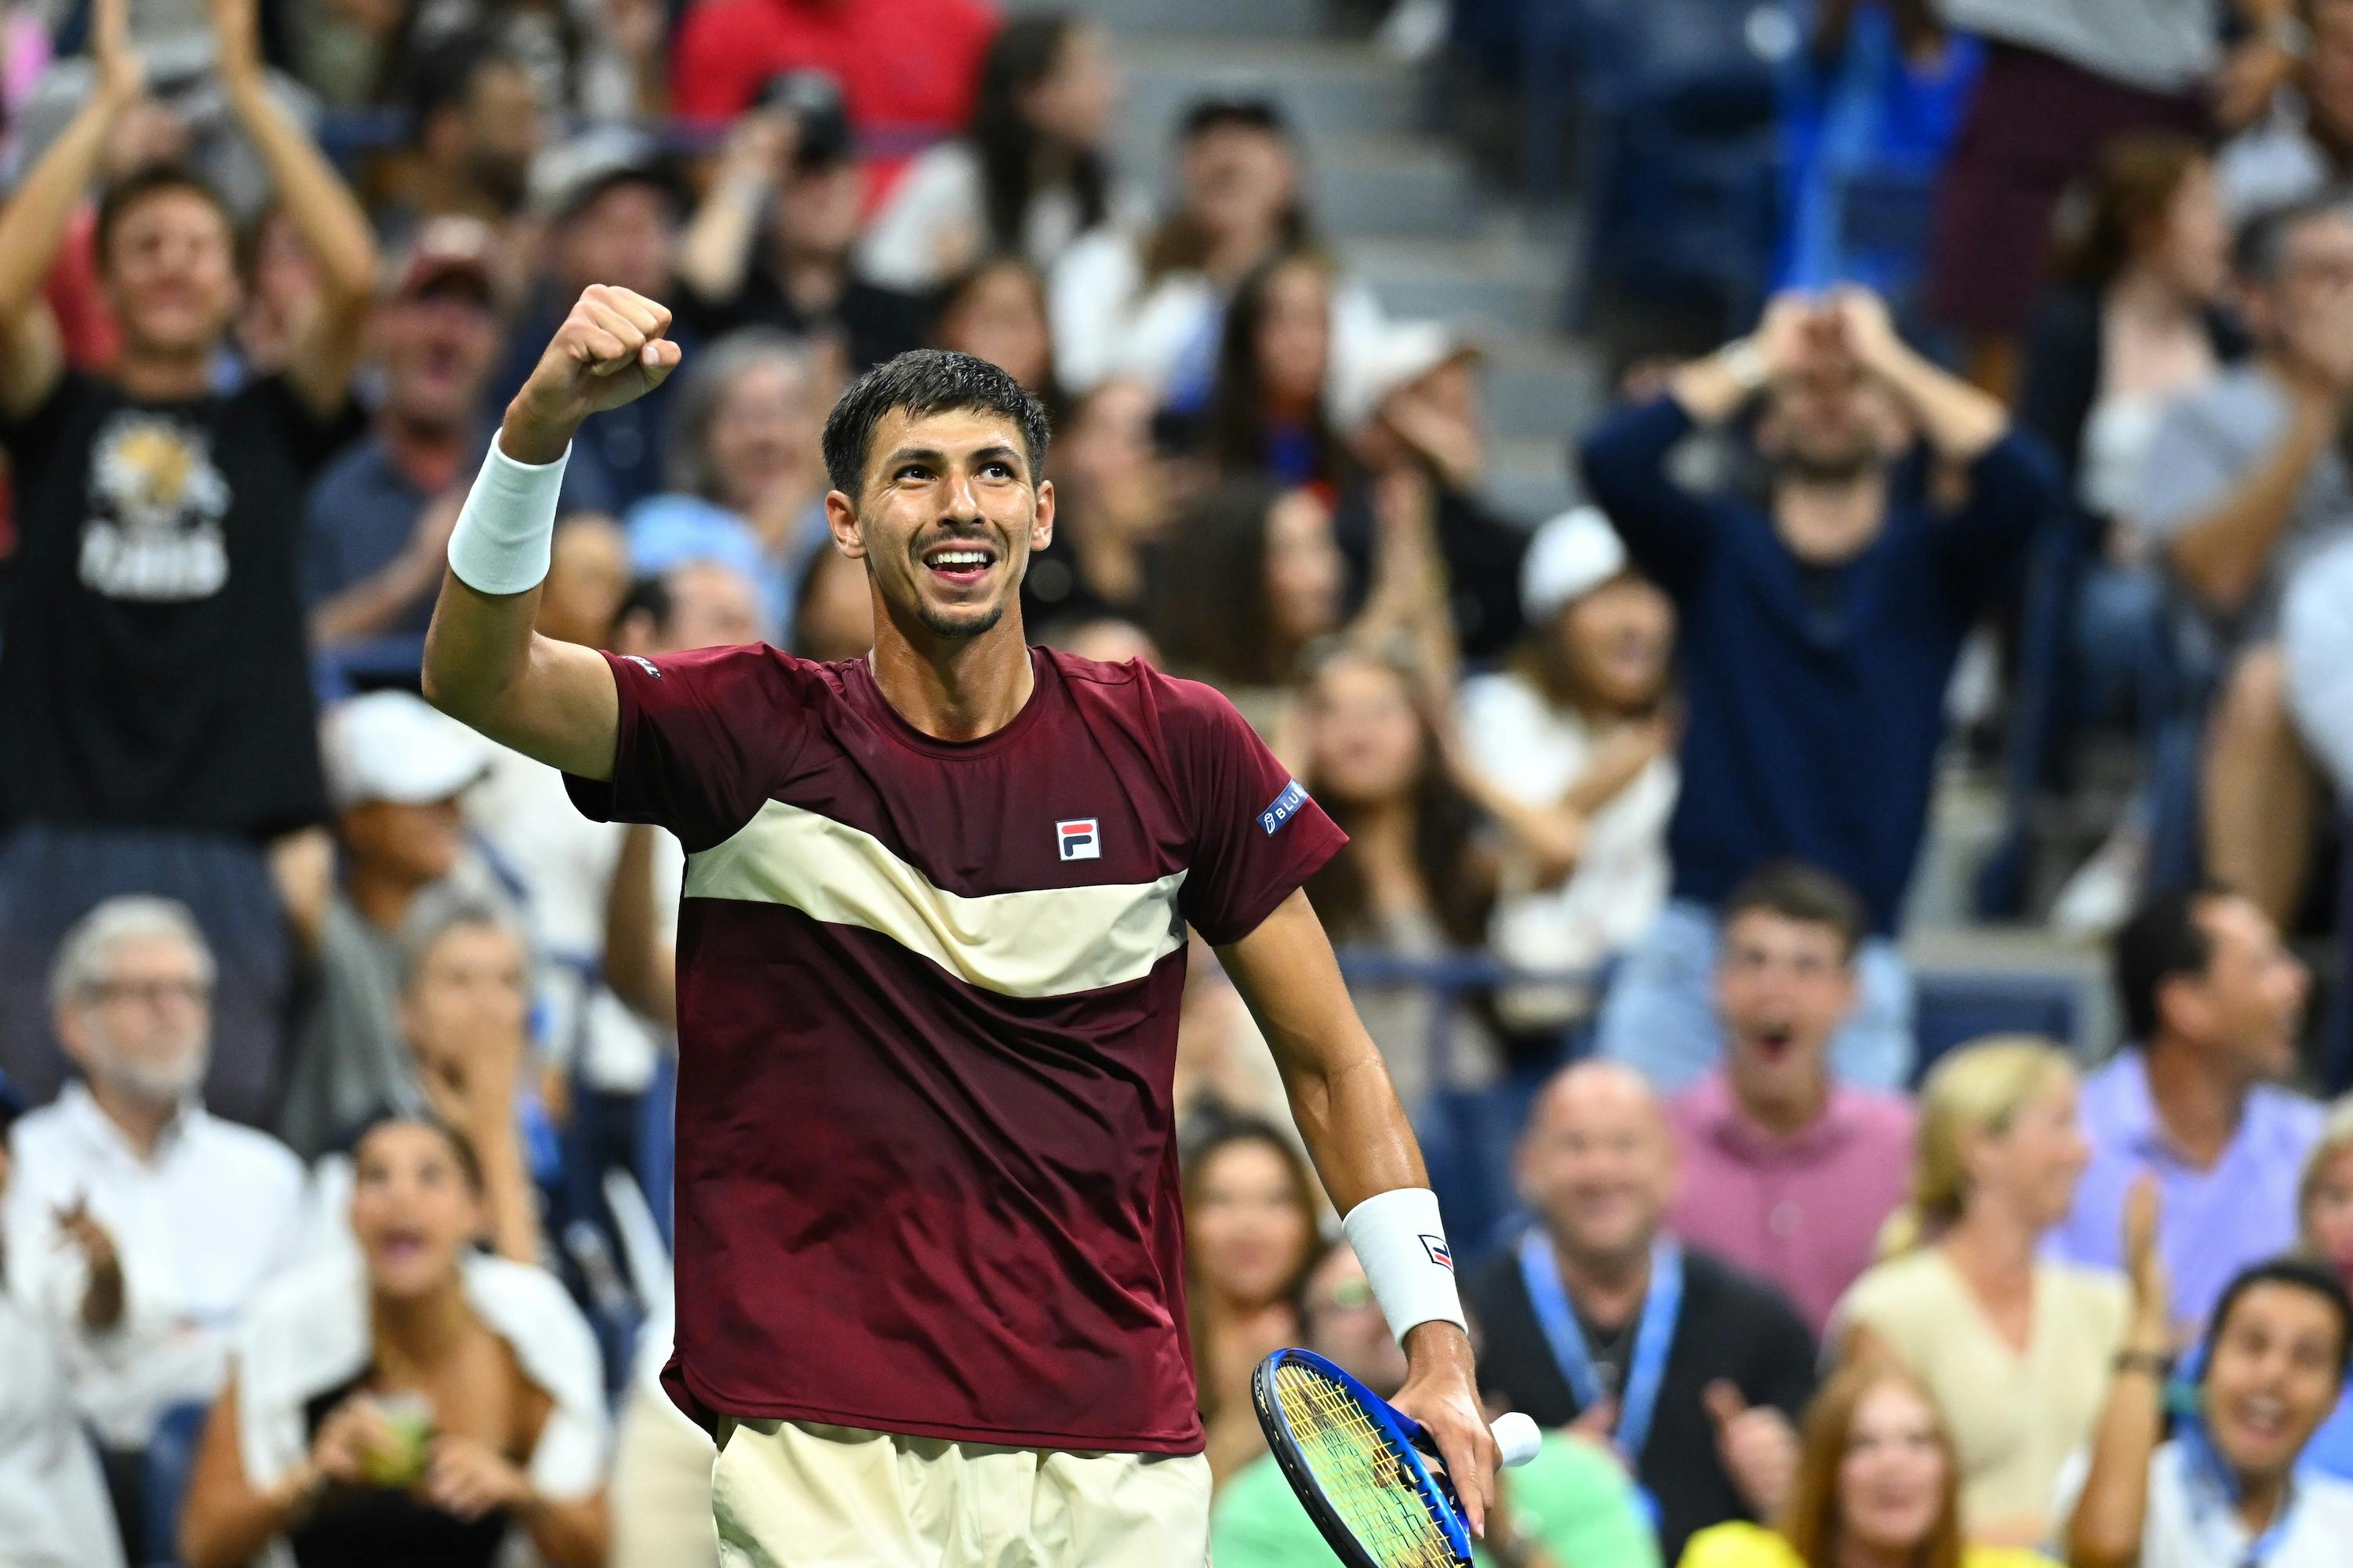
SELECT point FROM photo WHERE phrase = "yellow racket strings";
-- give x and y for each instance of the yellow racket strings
(1363, 1478)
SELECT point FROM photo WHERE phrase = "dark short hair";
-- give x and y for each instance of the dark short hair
(1797, 890)
(2163, 939)
(461, 1148)
(926, 381)
(149, 180)
(2258, 249)
(648, 595)
(446, 76)
(1203, 115)
(2298, 1274)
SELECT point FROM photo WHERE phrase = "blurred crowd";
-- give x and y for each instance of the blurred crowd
(337, 1046)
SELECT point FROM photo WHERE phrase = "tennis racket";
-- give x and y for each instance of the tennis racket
(1359, 1467)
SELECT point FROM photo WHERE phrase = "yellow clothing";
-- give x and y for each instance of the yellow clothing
(1754, 1546)
(2016, 1418)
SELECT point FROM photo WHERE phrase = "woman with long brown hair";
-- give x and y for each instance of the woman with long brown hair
(1418, 877)
(1877, 1486)
(1267, 412)
(1252, 1223)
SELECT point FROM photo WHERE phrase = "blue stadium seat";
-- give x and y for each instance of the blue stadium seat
(1953, 1009)
(171, 1459)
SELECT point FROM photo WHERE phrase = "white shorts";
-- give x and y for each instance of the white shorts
(789, 1494)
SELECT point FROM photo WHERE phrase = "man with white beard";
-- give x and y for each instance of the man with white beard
(136, 1224)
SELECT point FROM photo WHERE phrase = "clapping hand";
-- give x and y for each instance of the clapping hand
(121, 74)
(1758, 1445)
(103, 1298)
(236, 34)
(2152, 1293)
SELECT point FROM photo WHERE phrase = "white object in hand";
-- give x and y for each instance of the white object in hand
(1518, 1437)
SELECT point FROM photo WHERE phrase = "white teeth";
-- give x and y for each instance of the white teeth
(960, 558)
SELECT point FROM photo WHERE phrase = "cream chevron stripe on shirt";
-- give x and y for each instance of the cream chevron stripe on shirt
(1050, 941)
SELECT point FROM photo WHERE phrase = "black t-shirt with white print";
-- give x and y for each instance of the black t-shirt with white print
(152, 665)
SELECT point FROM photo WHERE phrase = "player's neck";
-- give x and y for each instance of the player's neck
(959, 688)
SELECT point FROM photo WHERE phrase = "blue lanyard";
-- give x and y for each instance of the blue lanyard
(1639, 1401)
(2208, 1470)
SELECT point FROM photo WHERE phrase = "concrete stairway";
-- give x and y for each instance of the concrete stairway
(1405, 208)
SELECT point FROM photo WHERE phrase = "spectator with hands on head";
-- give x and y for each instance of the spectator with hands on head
(1818, 635)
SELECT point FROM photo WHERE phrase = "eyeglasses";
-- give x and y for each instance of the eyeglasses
(154, 992)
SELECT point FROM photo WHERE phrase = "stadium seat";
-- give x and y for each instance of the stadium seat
(1951, 1009)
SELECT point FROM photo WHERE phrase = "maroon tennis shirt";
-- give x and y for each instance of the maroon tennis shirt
(927, 998)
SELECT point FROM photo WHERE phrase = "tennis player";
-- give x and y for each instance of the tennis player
(929, 1296)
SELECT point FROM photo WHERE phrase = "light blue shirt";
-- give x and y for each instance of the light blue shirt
(2212, 1223)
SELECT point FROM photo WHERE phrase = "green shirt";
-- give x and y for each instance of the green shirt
(1571, 1497)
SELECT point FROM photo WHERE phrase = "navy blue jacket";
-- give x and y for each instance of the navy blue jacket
(1815, 710)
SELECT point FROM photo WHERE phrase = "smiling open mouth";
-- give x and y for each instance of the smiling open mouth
(962, 561)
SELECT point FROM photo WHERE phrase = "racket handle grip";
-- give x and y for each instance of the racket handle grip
(1518, 1437)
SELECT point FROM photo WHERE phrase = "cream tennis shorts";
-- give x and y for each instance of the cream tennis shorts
(788, 1494)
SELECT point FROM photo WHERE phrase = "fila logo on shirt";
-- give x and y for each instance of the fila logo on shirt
(1077, 839)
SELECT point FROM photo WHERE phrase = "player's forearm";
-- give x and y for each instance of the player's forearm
(1354, 1126)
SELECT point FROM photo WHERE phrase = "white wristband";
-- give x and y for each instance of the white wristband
(506, 530)
(1398, 1238)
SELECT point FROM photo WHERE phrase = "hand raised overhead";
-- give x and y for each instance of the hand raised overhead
(610, 351)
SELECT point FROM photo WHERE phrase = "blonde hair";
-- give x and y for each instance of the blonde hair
(2336, 1138)
(1978, 1088)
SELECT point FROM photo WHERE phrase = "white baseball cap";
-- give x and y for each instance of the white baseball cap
(397, 747)
(1398, 355)
(1570, 556)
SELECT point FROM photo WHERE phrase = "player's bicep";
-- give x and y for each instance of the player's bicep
(561, 708)
(1287, 972)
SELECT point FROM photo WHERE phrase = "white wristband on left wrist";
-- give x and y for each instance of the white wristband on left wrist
(1400, 1240)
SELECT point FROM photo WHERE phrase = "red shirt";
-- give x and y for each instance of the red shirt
(906, 67)
(927, 998)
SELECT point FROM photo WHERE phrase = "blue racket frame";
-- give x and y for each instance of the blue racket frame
(1410, 1442)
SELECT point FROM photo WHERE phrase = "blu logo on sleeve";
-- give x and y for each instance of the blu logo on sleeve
(1286, 806)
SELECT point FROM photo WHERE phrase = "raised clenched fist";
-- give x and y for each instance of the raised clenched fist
(610, 351)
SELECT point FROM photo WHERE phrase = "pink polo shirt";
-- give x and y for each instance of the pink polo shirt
(1803, 1213)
